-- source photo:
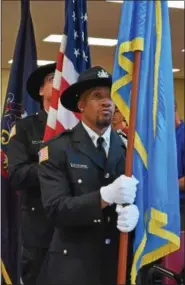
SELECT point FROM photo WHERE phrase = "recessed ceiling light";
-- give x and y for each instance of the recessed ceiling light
(176, 69)
(171, 4)
(102, 42)
(183, 50)
(39, 62)
(53, 39)
(92, 41)
(114, 1)
(176, 4)
(44, 62)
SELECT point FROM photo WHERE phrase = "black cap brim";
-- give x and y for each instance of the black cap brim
(36, 80)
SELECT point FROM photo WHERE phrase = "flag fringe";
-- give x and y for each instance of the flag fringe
(157, 62)
(5, 274)
(155, 227)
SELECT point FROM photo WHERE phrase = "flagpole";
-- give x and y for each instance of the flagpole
(123, 245)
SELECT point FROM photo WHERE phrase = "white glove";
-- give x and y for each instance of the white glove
(121, 191)
(127, 218)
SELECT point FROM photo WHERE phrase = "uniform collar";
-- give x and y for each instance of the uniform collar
(83, 142)
(42, 116)
(94, 136)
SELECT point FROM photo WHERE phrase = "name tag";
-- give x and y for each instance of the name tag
(36, 142)
(82, 166)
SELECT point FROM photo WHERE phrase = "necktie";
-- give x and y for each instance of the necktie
(101, 150)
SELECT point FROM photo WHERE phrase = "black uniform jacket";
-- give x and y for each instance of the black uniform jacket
(23, 161)
(84, 248)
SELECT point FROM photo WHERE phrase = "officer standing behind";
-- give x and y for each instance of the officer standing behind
(24, 145)
(179, 125)
(81, 176)
(179, 130)
(119, 123)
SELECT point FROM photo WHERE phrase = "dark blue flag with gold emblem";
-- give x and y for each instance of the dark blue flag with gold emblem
(17, 103)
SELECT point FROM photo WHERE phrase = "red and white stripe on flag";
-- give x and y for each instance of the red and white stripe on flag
(59, 118)
(73, 58)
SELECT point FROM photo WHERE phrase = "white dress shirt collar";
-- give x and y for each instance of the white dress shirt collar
(94, 136)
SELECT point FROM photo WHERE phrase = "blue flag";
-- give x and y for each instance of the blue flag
(17, 100)
(145, 26)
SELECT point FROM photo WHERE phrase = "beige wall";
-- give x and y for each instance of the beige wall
(4, 83)
(179, 91)
(179, 94)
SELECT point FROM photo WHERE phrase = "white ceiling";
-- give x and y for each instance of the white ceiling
(103, 22)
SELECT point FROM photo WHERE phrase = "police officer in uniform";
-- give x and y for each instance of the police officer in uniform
(83, 188)
(180, 139)
(119, 122)
(120, 125)
(24, 145)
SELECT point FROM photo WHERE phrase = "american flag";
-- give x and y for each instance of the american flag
(43, 154)
(73, 58)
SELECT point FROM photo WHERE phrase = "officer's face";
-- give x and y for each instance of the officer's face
(97, 107)
(46, 89)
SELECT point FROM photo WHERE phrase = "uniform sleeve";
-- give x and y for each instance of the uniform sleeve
(60, 205)
(23, 171)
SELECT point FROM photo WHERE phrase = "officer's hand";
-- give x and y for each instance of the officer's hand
(121, 191)
(127, 218)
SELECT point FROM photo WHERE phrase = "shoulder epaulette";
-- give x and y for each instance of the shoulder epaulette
(27, 118)
(68, 131)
